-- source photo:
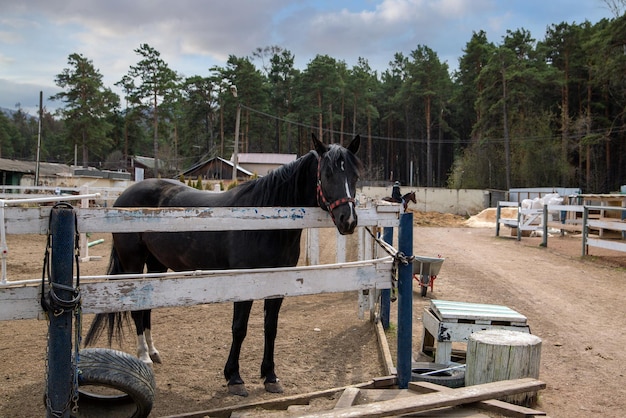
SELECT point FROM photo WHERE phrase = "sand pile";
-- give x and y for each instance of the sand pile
(487, 218)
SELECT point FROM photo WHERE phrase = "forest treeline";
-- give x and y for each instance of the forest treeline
(519, 113)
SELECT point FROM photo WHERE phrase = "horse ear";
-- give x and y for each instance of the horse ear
(319, 146)
(355, 144)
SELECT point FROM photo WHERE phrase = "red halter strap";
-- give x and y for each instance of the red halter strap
(321, 199)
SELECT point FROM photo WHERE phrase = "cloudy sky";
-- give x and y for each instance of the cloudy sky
(37, 36)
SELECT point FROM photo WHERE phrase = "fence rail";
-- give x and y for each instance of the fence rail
(35, 220)
(614, 224)
(21, 300)
(573, 218)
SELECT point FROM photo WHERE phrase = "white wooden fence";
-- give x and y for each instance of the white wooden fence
(101, 294)
(602, 224)
(524, 220)
(572, 218)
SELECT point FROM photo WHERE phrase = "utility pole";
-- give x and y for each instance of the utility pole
(39, 137)
(233, 90)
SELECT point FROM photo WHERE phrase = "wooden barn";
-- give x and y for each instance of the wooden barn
(22, 173)
(216, 169)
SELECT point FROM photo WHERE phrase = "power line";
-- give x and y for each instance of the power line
(602, 132)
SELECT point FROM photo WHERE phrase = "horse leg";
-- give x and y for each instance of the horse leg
(146, 351)
(241, 314)
(139, 317)
(272, 308)
(147, 330)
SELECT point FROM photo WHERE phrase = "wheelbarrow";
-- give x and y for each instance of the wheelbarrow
(425, 271)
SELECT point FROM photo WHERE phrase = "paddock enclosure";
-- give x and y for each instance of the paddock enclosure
(21, 301)
(568, 300)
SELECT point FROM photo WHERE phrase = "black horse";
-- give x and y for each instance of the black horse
(325, 177)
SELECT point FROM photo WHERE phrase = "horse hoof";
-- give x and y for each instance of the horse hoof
(238, 389)
(273, 387)
(155, 357)
(147, 360)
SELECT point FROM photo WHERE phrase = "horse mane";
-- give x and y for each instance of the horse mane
(293, 184)
(279, 187)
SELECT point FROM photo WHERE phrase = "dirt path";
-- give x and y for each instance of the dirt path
(576, 306)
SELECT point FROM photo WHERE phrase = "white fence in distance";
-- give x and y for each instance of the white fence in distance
(572, 218)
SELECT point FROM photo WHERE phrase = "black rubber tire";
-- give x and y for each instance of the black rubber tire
(451, 378)
(117, 370)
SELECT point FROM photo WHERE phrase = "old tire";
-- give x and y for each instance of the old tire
(132, 380)
(450, 378)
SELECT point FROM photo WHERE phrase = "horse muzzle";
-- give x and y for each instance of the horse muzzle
(345, 218)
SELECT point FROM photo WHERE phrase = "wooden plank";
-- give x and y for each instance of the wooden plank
(35, 220)
(383, 349)
(566, 208)
(606, 244)
(206, 287)
(430, 401)
(507, 221)
(616, 225)
(284, 402)
(506, 203)
(347, 398)
(492, 405)
(509, 409)
(568, 226)
(21, 302)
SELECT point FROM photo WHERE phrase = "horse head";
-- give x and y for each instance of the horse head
(338, 170)
(409, 197)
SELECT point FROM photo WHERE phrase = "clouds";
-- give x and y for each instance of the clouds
(37, 36)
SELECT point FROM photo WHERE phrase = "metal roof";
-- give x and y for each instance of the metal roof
(29, 167)
(205, 162)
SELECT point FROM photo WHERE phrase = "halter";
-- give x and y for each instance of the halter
(321, 199)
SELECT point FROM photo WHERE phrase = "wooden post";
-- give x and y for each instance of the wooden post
(498, 214)
(496, 354)
(544, 227)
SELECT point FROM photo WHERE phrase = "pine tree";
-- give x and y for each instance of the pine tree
(88, 104)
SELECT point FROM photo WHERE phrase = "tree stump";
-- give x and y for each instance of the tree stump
(497, 354)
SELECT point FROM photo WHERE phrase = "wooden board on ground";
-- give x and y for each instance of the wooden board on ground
(418, 403)
(492, 405)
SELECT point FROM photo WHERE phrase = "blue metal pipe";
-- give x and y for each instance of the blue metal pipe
(385, 294)
(405, 301)
(59, 386)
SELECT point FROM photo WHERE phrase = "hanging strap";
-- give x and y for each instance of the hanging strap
(50, 301)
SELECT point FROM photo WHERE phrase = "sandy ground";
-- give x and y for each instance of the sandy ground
(575, 305)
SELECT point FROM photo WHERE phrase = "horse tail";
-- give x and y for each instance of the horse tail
(113, 322)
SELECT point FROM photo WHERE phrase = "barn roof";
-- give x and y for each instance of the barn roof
(217, 159)
(148, 162)
(30, 167)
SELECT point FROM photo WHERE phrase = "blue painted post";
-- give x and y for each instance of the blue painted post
(59, 387)
(405, 302)
(385, 294)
